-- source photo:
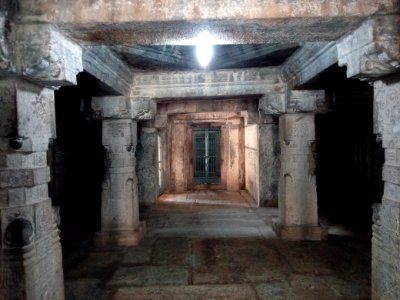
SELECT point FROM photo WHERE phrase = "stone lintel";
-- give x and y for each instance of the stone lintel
(43, 54)
(308, 62)
(294, 101)
(202, 84)
(121, 107)
(108, 68)
(372, 50)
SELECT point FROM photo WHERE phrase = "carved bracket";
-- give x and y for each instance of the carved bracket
(372, 50)
(135, 108)
(294, 102)
(41, 53)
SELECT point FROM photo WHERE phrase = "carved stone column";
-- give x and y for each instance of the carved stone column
(30, 251)
(386, 227)
(147, 169)
(372, 52)
(120, 223)
(298, 207)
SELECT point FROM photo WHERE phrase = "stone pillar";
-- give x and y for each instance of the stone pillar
(120, 205)
(120, 223)
(298, 207)
(147, 169)
(268, 164)
(372, 52)
(30, 251)
(386, 227)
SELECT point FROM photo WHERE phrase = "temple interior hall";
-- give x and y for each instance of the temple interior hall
(199, 149)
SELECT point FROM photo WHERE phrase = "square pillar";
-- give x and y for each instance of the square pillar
(298, 207)
(30, 250)
(386, 217)
(147, 166)
(120, 223)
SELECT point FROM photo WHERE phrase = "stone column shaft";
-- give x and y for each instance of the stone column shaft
(298, 210)
(30, 251)
(120, 207)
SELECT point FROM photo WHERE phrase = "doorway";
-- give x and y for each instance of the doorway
(207, 156)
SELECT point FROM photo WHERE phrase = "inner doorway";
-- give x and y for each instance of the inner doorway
(207, 155)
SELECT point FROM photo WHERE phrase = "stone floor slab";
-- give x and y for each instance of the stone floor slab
(150, 275)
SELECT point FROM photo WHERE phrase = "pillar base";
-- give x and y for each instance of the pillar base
(120, 237)
(300, 232)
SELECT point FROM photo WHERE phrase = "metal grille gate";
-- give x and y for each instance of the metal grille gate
(207, 166)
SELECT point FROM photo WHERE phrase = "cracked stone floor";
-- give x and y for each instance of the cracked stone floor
(195, 248)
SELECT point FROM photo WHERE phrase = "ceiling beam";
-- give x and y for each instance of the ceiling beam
(179, 21)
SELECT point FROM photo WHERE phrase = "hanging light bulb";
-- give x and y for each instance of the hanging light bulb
(204, 49)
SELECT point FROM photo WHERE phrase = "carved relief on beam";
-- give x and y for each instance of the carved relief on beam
(135, 108)
(44, 55)
(372, 50)
(200, 84)
(294, 102)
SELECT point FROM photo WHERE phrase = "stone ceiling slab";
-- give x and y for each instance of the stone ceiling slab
(180, 21)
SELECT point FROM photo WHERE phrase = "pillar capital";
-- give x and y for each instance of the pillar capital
(39, 52)
(122, 107)
(293, 101)
(372, 50)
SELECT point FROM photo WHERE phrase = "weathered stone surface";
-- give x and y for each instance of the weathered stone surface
(187, 84)
(24, 177)
(273, 103)
(120, 204)
(293, 102)
(139, 22)
(108, 68)
(27, 114)
(269, 164)
(43, 54)
(298, 216)
(372, 50)
(34, 262)
(135, 108)
(306, 101)
(22, 160)
(147, 167)
(6, 64)
(387, 108)
(12, 197)
(309, 61)
(386, 218)
(120, 136)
